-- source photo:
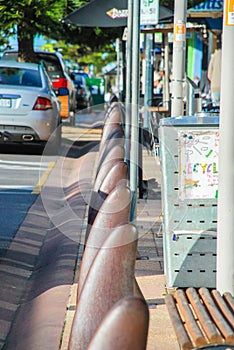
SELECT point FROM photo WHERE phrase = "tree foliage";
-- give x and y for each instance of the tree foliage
(31, 17)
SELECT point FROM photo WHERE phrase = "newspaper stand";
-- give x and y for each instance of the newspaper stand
(189, 164)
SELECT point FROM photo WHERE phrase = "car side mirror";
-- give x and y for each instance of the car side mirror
(63, 92)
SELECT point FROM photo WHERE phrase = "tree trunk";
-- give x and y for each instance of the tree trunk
(25, 44)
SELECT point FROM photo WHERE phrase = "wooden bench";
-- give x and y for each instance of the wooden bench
(201, 317)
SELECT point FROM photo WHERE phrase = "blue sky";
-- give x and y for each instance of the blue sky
(39, 41)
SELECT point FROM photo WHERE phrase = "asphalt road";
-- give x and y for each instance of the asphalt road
(20, 172)
(23, 170)
(89, 120)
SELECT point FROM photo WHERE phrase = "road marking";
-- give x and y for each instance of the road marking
(41, 182)
(21, 165)
(8, 189)
(18, 167)
(21, 162)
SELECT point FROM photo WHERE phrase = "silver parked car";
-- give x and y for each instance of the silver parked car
(58, 72)
(29, 107)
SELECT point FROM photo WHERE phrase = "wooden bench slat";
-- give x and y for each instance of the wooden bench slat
(229, 300)
(218, 319)
(226, 311)
(191, 324)
(203, 317)
(181, 334)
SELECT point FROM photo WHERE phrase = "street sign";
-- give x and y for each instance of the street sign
(198, 158)
(229, 13)
(116, 13)
(149, 12)
(209, 6)
(179, 31)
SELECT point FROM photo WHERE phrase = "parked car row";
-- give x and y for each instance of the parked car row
(56, 69)
(30, 111)
(84, 97)
(36, 97)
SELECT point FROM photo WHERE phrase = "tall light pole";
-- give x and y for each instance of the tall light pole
(148, 78)
(178, 64)
(128, 80)
(149, 20)
(225, 234)
(135, 105)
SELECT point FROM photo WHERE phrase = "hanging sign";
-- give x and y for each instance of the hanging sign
(179, 31)
(208, 6)
(198, 162)
(117, 13)
(229, 15)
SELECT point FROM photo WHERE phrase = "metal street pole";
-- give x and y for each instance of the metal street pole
(135, 105)
(118, 66)
(128, 81)
(129, 52)
(225, 234)
(145, 123)
(178, 64)
(148, 78)
(166, 92)
(149, 44)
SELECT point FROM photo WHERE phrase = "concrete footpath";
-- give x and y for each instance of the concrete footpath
(149, 270)
(39, 272)
(150, 273)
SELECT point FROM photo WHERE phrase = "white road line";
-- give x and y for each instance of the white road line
(22, 167)
(8, 189)
(44, 168)
(22, 162)
(7, 164)
(15, 186)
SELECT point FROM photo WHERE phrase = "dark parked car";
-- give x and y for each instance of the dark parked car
(84, 97)
(56, 69)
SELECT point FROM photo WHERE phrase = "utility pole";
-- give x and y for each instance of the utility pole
(135, 105)
(128, 81)
(118, 66)
(148, 78)
(148, 21)
(166, 92)
(225, 234)
(179, 51)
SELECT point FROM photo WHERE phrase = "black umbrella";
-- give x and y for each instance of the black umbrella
(107, 13)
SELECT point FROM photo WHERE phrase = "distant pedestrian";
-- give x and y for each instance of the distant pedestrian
(197, 81)
(214, 76)
(158, 86)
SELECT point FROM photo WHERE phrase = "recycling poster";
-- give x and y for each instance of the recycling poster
(198, 164)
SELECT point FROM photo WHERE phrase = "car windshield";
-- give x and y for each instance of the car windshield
(20, 77)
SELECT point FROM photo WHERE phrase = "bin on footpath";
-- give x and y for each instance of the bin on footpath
(97, 86)
(189, 166)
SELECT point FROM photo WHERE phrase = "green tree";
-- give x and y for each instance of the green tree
(30, 17)
(26, 18)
